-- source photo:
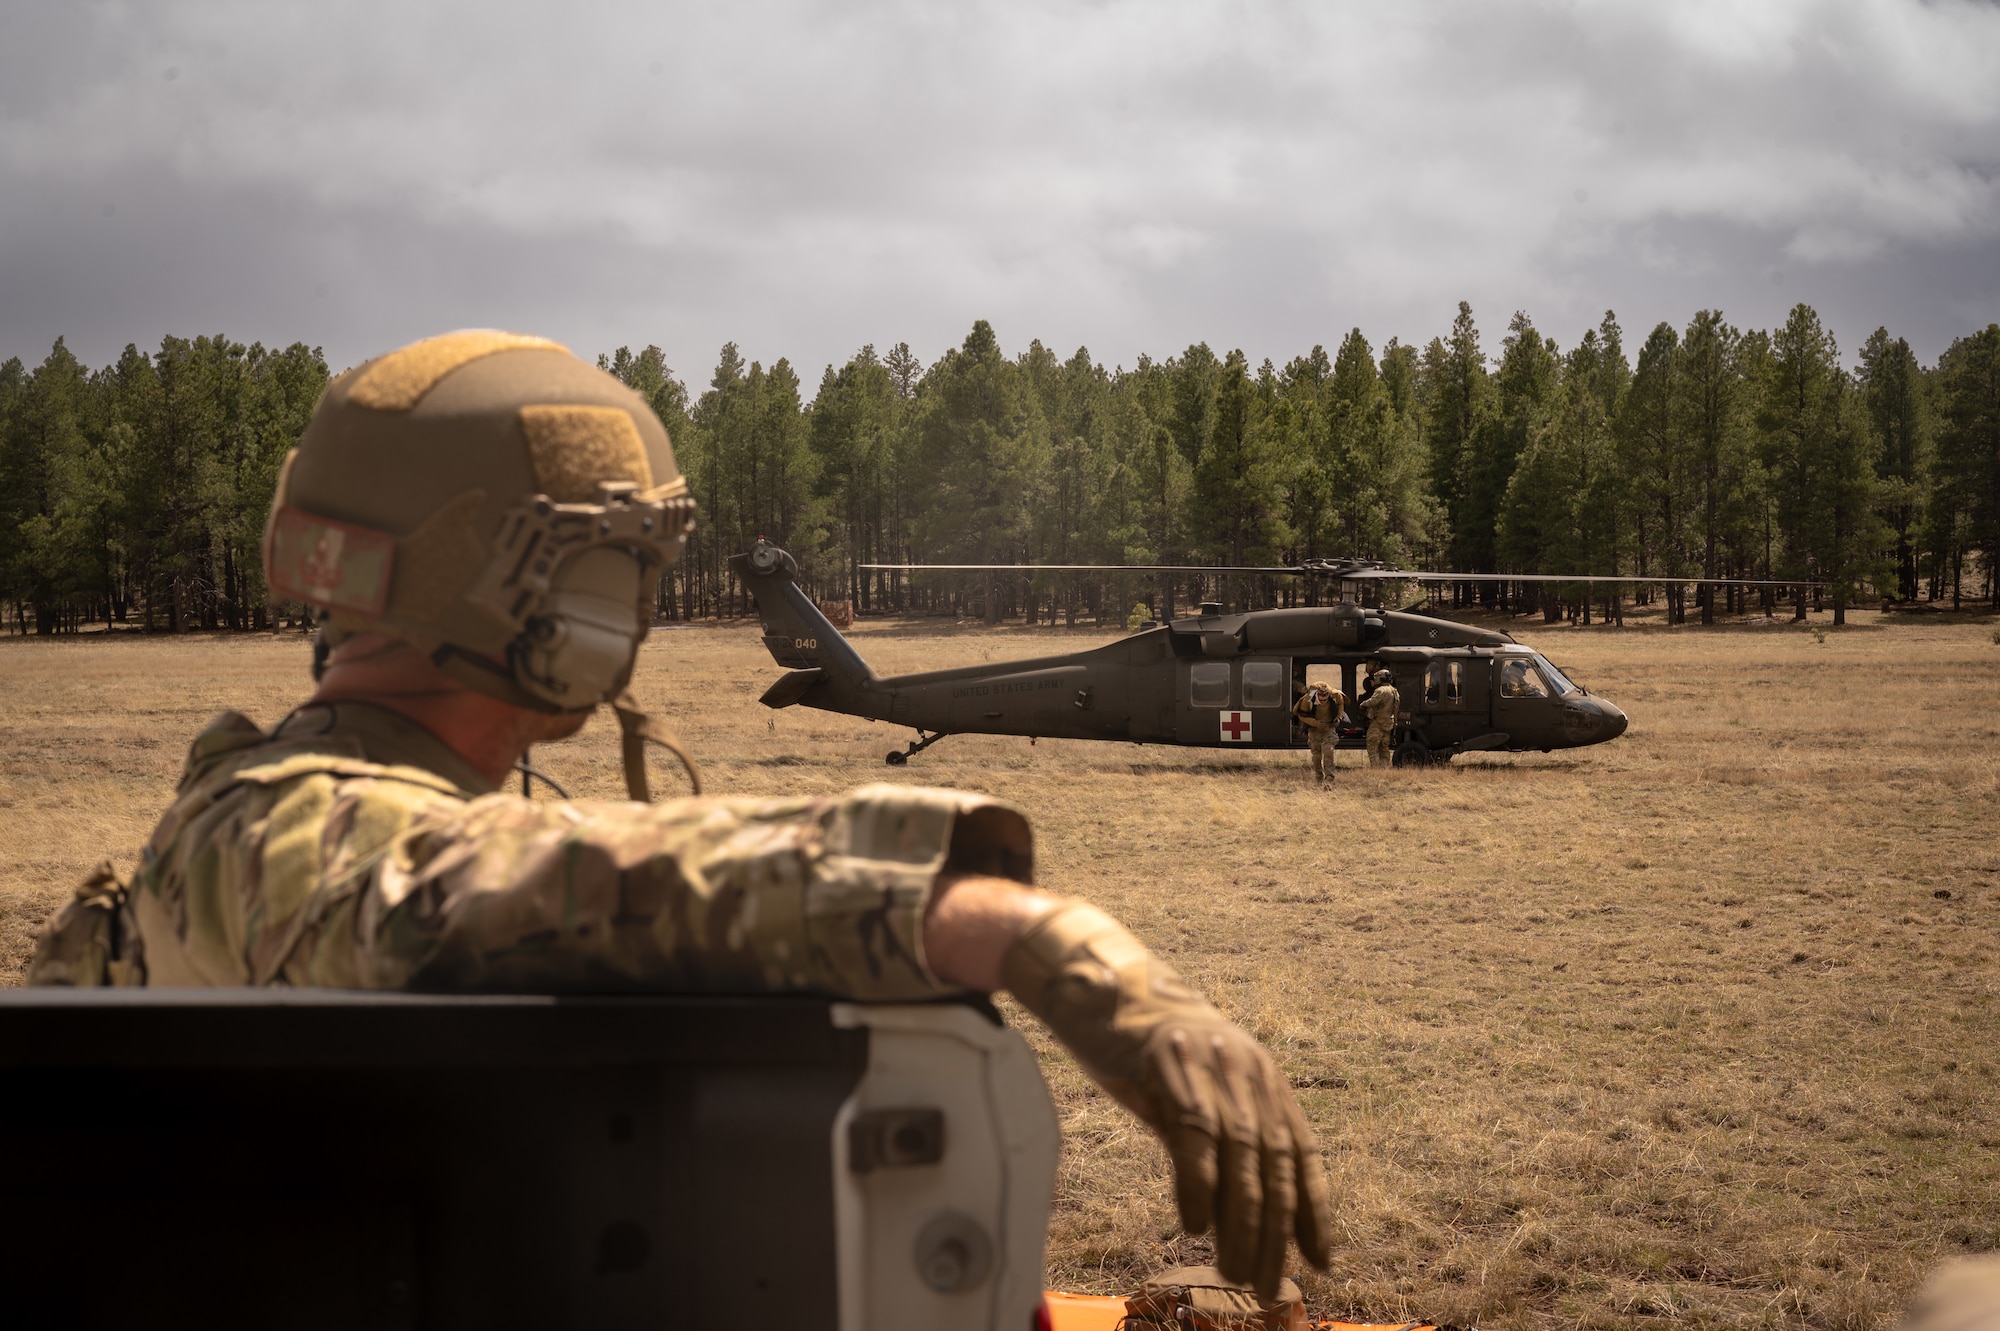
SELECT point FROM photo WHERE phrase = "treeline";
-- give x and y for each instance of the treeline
(1714, 452)
(136, 493)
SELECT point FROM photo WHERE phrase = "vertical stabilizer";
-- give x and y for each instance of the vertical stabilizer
(826, 670)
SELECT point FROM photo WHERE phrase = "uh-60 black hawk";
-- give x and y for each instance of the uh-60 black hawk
(1215, 680)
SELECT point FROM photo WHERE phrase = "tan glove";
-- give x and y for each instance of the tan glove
(1244, 1159)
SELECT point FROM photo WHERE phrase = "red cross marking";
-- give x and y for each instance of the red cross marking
(1236, 726)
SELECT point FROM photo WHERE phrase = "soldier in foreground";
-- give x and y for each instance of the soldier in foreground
(1319, 709)
(1381, 706)
(479, 520)
(1962, 1295)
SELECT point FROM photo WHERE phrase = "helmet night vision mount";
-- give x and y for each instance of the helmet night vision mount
(496, 503)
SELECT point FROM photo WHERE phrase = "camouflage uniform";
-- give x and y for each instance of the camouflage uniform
(350, 848)
(1381, 706)
(1320, 710)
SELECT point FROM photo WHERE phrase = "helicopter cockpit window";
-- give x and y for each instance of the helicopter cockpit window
(1263, 683)
(1208, 684)
(1557, 680)
(1518, 679)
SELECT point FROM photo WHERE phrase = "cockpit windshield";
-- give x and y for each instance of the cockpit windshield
(1518, 679)
(1557, 680)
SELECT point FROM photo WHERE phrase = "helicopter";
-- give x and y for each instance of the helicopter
(1213, 680)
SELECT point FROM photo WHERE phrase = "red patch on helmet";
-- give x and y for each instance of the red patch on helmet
(332, 564)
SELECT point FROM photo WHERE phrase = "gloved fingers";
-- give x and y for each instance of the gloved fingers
(1239, 1167)
(1312, 1221)
(1195, 1155)
(1190, 1125)
(1278, 1164)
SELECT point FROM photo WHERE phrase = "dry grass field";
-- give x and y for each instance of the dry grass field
(1701, 1026)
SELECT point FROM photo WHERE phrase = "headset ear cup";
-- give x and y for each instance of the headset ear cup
(579, 644)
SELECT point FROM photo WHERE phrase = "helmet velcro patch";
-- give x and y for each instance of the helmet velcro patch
(331, 564)
(438, 559)
(399, 380)
(573, 448)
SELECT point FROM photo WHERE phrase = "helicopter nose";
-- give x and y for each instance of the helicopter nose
(1611, 722)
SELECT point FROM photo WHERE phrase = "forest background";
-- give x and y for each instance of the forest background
(135, 494)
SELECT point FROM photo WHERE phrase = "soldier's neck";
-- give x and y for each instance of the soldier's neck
(489, 734)
(487, 737)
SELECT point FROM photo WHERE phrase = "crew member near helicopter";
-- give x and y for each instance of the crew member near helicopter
(1319, 709)
(1381, 705)
(1368, 674)
(478, 521)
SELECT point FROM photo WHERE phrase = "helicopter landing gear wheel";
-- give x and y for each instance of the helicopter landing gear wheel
(901, 757)
(1411, 753)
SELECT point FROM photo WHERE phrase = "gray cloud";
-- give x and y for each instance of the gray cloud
(1131, 176)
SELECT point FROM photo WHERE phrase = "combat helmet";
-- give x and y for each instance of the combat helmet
(495, 502)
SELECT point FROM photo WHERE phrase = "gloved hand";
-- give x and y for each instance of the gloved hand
(1244, 1159)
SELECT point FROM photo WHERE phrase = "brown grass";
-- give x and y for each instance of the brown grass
(1698, 1026)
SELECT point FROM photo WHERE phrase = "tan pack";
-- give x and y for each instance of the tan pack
(1197, 1298)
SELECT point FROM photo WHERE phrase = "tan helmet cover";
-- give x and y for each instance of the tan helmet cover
(476, 495)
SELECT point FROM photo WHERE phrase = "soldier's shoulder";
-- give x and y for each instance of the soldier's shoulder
(232, 750)
(232, 756)
(229, 734)
(278, 767)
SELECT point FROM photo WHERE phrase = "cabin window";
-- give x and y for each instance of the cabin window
(1518, 679)
(1208, 684)
(1444, 684)
(1263, 683)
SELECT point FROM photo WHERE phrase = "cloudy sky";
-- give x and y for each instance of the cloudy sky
(1133, 177)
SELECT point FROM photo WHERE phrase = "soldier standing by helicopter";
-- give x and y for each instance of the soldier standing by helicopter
(1319, 709)
(1381, 705)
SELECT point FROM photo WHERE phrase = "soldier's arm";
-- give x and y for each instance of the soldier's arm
(746, 895)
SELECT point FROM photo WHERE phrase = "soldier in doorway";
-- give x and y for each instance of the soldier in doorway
(1319, 710)
(1380, 706)
(478, 521)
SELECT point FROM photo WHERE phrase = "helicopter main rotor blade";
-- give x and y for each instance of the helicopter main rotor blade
(1089, 568)
(1387, 574)
(1343, 574)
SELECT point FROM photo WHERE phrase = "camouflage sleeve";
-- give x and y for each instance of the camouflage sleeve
(80, 946)
(699, 894)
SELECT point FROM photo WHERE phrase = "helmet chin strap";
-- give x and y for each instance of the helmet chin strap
(636, 731)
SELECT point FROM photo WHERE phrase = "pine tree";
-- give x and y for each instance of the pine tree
(980, 435)
(1235, 485)
(648, 375)
(1796, 421)
(1899, 412)
(1717, 435)
(1656, 461)
(48, 538)
(1968, 396)
(850, 427)
(1457, 396)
